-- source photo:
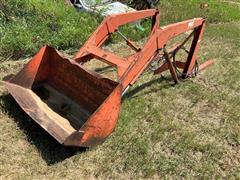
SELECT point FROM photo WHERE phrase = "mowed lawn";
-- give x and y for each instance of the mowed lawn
(186, 131)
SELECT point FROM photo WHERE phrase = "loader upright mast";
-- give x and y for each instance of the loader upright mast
(79, 107)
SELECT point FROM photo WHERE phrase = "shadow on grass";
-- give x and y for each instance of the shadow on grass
(133, 93)
(51, 151)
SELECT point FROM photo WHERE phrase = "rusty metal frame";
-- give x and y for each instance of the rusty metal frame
(130, 68)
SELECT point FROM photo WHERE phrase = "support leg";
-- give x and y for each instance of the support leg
(192, 57)
(171, 67)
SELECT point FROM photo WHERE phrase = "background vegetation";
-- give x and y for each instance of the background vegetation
(188, 131)
(26, 25)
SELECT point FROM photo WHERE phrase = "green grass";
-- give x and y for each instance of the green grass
(188, 131)
(25, 26)
(216, 12)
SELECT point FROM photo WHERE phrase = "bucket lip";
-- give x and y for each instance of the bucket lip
(65, 131)
(74, 138)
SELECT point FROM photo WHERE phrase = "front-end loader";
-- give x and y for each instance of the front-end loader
(79, 107)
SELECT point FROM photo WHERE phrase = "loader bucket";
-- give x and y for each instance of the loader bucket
(77, 107)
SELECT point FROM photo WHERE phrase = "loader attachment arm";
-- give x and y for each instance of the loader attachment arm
(130, 68)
